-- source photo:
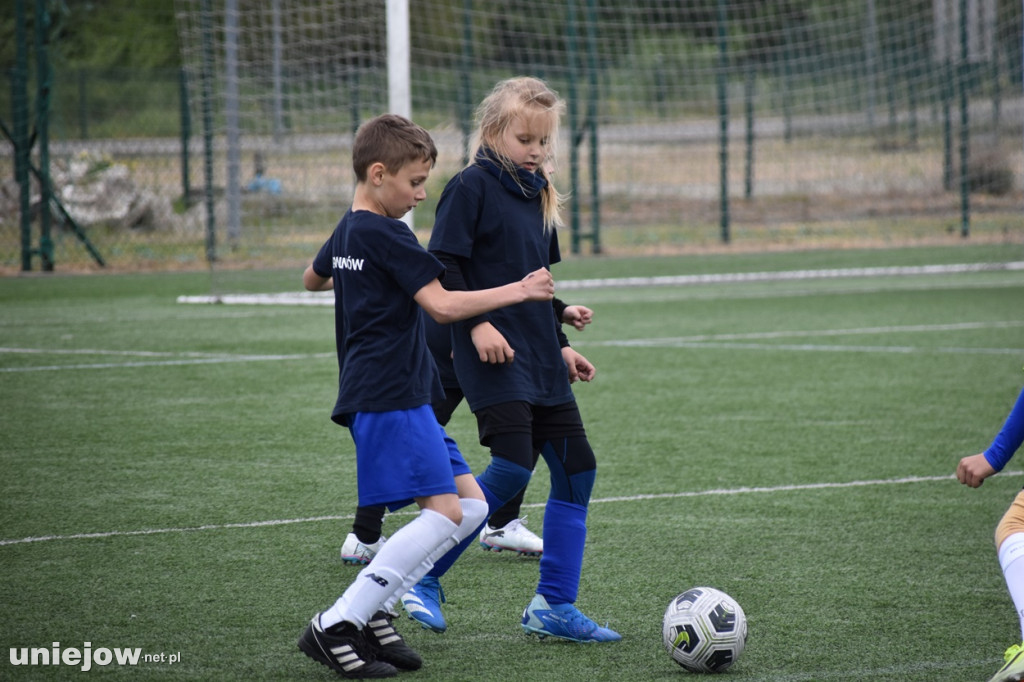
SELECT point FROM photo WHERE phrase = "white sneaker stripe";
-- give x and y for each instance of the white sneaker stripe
(346, 657)
(413, 607)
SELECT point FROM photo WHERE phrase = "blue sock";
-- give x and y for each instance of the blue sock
(504, 479)
(565, 534)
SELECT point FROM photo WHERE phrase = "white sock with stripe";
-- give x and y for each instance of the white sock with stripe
(400, 556)
(474, 512)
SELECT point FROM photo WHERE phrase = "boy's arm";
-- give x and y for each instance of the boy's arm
(974, 469)
(1010, 437)
(315, 282)
(451, 306)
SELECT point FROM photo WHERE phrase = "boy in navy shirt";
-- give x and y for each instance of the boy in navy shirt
(381, 276)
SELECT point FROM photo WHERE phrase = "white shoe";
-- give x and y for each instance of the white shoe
(515, 537)
(355, 552)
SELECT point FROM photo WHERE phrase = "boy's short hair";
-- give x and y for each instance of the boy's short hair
(393, 141)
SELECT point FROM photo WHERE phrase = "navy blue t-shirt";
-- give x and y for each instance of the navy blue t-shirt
(383, 360)
(439, 341)
(498, 235)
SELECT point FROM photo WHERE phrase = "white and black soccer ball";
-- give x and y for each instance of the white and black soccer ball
(704, 630)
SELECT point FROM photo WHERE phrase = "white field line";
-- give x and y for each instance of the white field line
(603, 500)
(173, 359)
(808, 347)
(789, 275)
(132, 353)
(901, 329)
(286, 298)
(155, 359)
(327, 297)
(732, 340)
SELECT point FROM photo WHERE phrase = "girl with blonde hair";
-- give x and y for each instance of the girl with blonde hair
(499, 215)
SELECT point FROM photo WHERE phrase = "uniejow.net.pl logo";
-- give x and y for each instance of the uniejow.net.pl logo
(86, 657)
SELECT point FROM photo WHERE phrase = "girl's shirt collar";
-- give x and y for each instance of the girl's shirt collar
(522, 183)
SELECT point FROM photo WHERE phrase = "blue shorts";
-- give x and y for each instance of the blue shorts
(402, 455)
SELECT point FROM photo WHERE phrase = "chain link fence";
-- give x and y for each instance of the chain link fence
(691, 127)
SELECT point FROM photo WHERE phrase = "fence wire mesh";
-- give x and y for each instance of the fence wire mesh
(690, 126)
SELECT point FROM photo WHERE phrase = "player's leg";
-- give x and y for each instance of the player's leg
(506, 529)
(508, 512)
(367, 536)
(1010, 544)
(504, 429)
(421, 594)
(563, 444)
(356, 630)
(363, 605)
(423, 601)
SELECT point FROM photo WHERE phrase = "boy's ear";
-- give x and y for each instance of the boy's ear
(375, 173)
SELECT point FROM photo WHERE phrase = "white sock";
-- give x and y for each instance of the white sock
(474, 512)
(1010, 554)
(378, 582)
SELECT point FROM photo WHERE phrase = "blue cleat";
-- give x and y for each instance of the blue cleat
(563, 621)
(423, 604)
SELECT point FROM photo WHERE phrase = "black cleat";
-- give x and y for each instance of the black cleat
(344, 649)
(388, 645)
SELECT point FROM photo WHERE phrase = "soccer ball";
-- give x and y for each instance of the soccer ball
(704, 630)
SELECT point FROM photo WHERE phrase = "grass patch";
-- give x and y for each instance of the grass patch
(789, 442)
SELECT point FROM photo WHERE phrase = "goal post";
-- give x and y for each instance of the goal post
(399, 88)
